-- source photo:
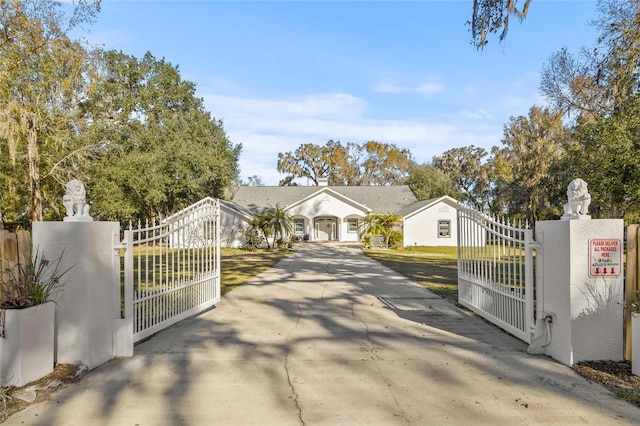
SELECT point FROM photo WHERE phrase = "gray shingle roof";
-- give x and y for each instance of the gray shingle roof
(412, 208)
(239, 210)
(381, 199)
(415, 206)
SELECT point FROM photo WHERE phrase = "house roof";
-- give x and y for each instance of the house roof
(234, 208)
(380, 199)
(339, 196)
(419, 206)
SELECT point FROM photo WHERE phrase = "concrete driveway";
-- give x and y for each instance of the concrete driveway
(330, 337)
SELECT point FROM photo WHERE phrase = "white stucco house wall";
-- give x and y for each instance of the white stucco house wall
(430, 223)
(333, 213)
(233, 220)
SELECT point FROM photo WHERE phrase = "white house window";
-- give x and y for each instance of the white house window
(352, 225)
(298, 226)
(444, 229)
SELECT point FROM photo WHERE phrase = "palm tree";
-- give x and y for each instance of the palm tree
(280, 221)
(370, 227)
(387, 222)
(263, 223)
(374, 225)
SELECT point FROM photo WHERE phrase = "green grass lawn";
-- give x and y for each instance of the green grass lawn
(238, 266)
(434, 268)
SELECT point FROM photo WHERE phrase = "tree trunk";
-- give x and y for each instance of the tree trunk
(34, 170)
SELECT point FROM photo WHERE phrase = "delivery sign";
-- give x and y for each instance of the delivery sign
(605, 258)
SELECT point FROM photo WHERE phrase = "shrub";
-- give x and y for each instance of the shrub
(32, 284)
(395, 239)
(252, 238)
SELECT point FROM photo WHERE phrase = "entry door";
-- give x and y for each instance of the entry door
(325, 229)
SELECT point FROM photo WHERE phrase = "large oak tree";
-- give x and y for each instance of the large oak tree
(467, 169)
(598, 91)
(42, 81)
(522, 177)
(493, 16)
(370, 163)
(161, 150)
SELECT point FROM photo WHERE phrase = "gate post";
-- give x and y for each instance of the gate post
(123, 315)
(580, 280)
(84, 305)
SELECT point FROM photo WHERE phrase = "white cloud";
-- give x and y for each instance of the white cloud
(324, 106)
(388, 87)
(478, 114)
(266, 127)
(429, 88)
(426, 88)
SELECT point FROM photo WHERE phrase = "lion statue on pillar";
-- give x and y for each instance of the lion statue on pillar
(578, 198)
(75, 202)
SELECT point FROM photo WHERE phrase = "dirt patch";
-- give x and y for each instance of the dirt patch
(16, 399)
(616, 376)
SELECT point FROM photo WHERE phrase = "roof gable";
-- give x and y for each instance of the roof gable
(236, 210)
(420, 206)
(329, 191)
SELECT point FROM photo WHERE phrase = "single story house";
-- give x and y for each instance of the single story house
(332, 213)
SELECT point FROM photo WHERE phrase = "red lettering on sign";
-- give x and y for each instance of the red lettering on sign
(605, 257)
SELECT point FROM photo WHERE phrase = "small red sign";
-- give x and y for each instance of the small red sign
(605, 258)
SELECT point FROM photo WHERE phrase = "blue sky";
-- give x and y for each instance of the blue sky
(280, 74)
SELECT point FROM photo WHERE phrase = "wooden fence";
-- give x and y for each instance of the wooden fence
(632, 280)
(14, 248)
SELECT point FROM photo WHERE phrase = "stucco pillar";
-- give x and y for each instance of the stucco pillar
(579, 281)
(86, 304)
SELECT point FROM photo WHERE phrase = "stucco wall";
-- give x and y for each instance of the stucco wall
(587, 311)
(325, 205)
(85, 306)
(231, 227)
(421, 229)
(344, 230)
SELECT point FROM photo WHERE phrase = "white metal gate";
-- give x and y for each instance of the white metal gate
(496, 271)
(172, 269)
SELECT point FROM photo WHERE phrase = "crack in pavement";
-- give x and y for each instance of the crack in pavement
(375, 357)
(286, 366)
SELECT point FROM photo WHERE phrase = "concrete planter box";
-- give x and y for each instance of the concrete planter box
(26, 351)
(635, 344)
